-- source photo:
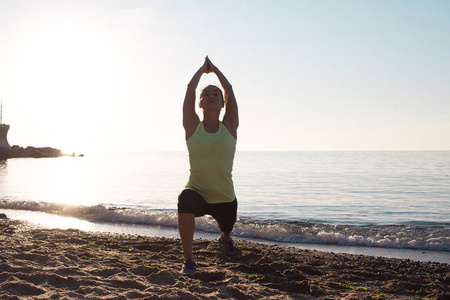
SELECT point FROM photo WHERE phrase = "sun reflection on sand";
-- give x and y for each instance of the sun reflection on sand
(54, 221)
(48, 220)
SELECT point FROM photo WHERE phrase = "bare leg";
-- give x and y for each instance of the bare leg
(186, 227)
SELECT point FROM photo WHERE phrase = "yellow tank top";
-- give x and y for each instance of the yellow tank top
(211, 158)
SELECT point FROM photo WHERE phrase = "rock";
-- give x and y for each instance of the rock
(3, 216)
(19, 152)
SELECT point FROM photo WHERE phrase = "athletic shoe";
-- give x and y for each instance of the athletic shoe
(188, 268)
(227, 247)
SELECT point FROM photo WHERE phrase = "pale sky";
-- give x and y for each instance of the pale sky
(308, 75)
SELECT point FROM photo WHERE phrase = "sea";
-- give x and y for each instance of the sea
(381, 203)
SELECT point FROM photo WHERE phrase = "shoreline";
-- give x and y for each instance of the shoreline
(50, 221)
(44, 263)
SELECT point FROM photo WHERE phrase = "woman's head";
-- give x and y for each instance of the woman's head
(211, 92)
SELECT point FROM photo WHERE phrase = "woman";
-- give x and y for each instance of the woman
(211, 145)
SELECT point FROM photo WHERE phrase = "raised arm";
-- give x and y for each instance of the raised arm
(190, 117)
(231, 117)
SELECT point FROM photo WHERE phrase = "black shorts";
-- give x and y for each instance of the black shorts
(189, 201)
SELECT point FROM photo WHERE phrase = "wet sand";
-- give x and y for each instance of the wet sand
(37, 263)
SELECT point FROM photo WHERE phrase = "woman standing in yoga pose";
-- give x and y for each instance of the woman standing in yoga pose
(211, 144)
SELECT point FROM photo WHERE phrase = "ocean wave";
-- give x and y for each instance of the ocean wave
(407, 236)
(384, 236)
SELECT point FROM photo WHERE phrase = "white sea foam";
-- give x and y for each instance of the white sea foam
(385, 236)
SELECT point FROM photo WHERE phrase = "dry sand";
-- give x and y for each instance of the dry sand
(38, 263)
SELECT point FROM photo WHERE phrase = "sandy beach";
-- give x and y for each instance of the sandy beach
(37, 263)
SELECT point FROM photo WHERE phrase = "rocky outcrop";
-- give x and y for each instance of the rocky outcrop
(17, 152)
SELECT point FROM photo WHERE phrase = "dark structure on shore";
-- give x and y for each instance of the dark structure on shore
(5, 148)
